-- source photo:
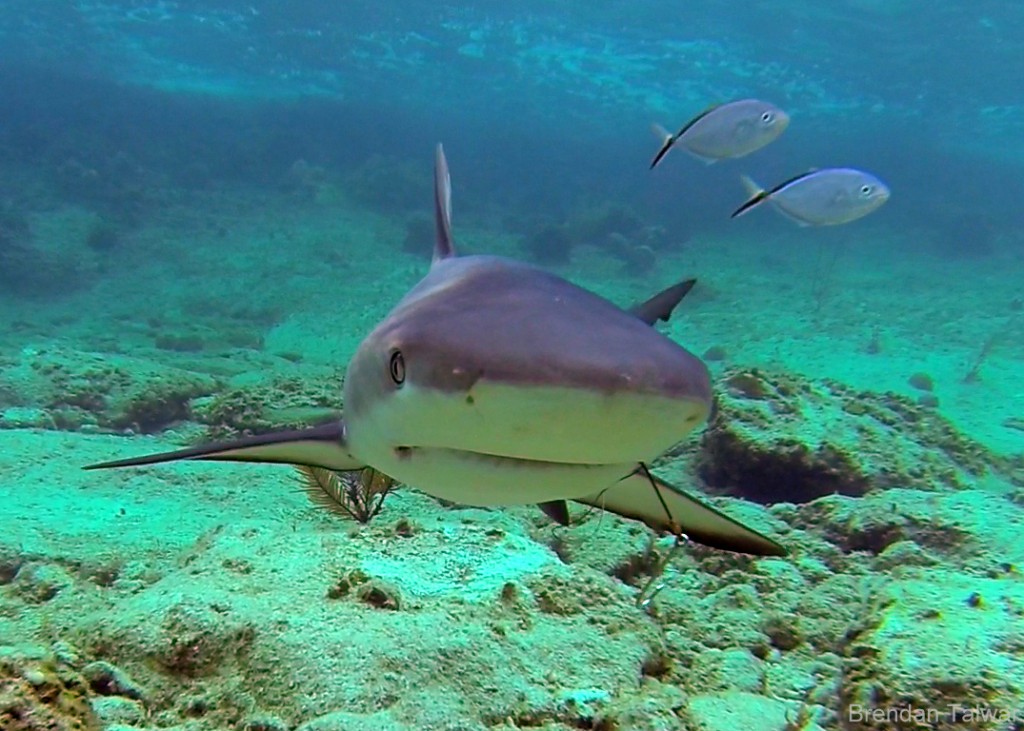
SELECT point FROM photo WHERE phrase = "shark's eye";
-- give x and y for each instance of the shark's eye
(397, 368)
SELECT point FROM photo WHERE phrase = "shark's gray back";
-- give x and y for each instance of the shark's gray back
(513, 322)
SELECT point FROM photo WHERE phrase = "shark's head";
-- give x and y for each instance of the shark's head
(498, 358)
(493, 358)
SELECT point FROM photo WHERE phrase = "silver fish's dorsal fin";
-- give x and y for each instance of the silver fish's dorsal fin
(443, 245)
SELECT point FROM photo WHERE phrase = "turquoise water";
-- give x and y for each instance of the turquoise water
(205, 207)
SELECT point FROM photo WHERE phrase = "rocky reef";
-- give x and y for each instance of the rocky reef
(39, 691)
(613, 228)
(67, 389)
(253, 611)
(778, 437)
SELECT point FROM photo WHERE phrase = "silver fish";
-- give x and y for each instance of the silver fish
(725, 131)
(826, 197)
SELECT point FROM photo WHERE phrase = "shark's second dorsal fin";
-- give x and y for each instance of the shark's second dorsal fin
(443, 246)
(660, 306)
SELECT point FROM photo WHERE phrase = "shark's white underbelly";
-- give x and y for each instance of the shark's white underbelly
(475, 479)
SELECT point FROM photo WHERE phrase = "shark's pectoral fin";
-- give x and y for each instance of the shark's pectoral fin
(318, 446)
(557, 510)
(660, 306)
(665, 507)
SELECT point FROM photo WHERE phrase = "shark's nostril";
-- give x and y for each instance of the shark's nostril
(403, 452)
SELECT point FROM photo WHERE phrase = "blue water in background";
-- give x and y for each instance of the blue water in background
(536, 102)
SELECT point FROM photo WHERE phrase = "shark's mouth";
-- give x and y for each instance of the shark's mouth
(472, 477)
(409, 454)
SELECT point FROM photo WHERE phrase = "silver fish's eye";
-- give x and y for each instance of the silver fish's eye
(767, 117)
(865, 190)
(397, 367)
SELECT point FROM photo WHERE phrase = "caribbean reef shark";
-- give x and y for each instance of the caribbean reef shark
(493, 382)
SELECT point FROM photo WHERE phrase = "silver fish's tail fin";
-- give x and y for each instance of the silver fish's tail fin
(757, 195)
(444, 246)
(318, 446)
(666, 138)
(750, 185)
(661, 133)
(664, 507)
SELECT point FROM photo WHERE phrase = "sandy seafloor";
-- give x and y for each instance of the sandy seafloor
(210, 591)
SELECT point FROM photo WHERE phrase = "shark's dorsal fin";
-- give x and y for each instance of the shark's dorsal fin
(443, 245)
(660, 306)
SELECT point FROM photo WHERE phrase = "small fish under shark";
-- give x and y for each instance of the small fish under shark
(493, 382)
(730, 130)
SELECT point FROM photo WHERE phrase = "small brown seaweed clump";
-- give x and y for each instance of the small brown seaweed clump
(358, 495)
(40, 694)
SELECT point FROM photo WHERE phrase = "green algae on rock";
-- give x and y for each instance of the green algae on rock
(778, 437)
(57, 388)
(267, 404)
